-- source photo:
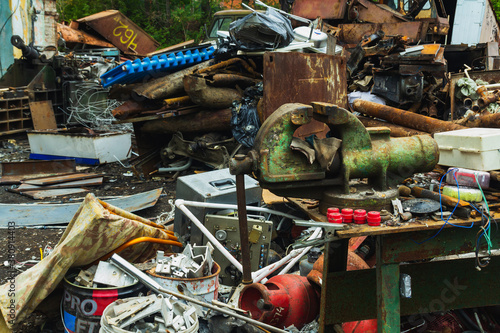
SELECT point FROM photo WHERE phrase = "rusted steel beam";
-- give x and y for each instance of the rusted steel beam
(396, 130)
(167, 86)
(76, 36)
(404, 118)
(121, 31)
(203, 121)
(353, 33)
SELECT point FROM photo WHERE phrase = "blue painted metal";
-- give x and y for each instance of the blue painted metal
(6, 52)
(78, 160)
(134, 71)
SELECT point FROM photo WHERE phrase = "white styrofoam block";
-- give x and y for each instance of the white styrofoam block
(472, 148)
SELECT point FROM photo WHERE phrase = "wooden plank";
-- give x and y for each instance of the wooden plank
(44, 194)
(29, 214)
(42, 115)
(85, 182)
(60, 179)
(366, 230)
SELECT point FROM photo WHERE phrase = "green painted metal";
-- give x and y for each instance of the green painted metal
(403, 247)
(388, 303)
(436, 285)
(371, 153)
(278, 162)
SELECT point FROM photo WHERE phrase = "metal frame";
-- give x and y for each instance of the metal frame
(436, 285)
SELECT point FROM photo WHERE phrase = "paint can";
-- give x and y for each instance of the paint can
(205, 288)
(82, 307)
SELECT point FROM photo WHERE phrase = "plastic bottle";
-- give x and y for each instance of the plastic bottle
(467, 177)
(306, 265)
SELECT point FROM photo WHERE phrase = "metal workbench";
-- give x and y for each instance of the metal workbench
(436, 285)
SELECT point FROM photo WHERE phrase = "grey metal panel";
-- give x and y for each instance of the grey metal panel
(468, 21)
(217, 186)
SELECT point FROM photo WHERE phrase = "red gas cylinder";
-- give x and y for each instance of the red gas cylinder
(282, 301)
(363, 326)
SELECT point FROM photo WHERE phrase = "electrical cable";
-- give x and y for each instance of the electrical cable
(441, 207)
(3, 26)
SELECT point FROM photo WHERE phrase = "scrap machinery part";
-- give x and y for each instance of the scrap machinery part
(364, 153)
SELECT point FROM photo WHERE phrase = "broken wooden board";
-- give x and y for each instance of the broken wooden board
(46, 214)
(14, 172)
(77, 183)
(44, 194)
(60, 179)
(42, 115)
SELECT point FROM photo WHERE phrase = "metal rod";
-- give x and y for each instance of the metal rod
(404, 118)
(155, 286)
(179, 204)
(231, 206)
(242, 219)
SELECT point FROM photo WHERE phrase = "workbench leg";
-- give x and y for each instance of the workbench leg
(388, 303)
(335, 261)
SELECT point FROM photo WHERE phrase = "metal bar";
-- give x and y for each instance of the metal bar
(148, 281)
(242, 219)
(404, 118)
(388, 303)
(335, 261)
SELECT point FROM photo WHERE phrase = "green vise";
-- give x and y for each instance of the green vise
(364, 153)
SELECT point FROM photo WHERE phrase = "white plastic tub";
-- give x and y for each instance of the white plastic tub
(472, 148)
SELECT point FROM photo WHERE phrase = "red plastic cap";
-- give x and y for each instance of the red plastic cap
(373, 218)
(333, 210)
(360, 216)
(347, 215)
(334, 218)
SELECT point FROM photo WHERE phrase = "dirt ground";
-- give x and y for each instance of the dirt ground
(28, 241)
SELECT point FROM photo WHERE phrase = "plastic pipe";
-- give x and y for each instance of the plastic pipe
(178, 168)
(230, 206)
(140, 240)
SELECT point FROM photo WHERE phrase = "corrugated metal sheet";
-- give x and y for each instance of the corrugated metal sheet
(468, 21)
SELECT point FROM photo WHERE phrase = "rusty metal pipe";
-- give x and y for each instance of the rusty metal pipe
(396, 130)
(404, 118)
(433, 111)
(490, 120)
(487, 100)
(468, 103)
(231, 80)
(177, 100)
(242, 218)
(475, 107)
(228, 63)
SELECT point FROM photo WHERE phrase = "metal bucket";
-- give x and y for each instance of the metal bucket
(106, 328)
(83, 307)
(205, 288)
